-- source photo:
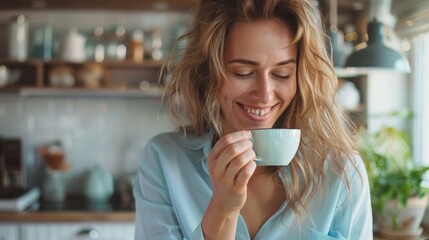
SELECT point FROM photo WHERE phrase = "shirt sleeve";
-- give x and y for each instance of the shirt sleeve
(155, 215)
(353, 215)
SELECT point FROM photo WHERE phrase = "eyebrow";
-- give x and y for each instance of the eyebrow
(253, 63)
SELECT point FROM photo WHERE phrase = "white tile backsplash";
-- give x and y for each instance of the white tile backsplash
(111, 132)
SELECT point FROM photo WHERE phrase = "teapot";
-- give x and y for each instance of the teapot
(98, 185)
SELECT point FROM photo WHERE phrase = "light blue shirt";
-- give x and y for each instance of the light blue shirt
(173, 189)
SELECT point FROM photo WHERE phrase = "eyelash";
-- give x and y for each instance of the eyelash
(281, 77)
(239, 75)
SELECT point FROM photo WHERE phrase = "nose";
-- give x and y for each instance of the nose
(264, 89)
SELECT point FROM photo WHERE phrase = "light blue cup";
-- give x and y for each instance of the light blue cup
(275, 147)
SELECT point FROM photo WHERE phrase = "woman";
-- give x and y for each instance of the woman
(253, 64)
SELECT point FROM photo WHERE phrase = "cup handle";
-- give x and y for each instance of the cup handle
(258, 161)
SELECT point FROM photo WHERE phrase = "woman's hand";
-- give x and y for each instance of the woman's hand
(231, 165)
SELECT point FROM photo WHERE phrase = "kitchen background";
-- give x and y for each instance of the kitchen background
(110, 128)
(87, 86)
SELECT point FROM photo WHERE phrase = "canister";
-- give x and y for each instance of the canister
(18, 38)
(43, 42)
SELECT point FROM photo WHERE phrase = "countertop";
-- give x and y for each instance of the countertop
(67, 216)
(75, 209)
(111, 216)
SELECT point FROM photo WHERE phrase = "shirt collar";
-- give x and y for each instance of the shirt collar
(204, 143)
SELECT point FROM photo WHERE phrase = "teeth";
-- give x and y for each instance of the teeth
(257, 112)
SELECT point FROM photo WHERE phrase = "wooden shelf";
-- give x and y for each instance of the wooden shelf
(349, 72)
(31, 70)
(90, 93)
(133, 5)
(125, 63)
(120, 79)
(361, 108)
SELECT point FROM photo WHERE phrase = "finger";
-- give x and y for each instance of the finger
(231, 152)
(227, 140)
(245, 174)
(219, 148)
(236, 164)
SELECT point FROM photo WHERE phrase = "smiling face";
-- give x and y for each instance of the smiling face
(260, 65)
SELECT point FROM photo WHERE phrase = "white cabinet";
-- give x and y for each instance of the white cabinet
(9, 231)
(81, 230)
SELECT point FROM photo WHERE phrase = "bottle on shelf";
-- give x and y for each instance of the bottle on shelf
(95, 46)
(116, 48)
(157, 44)
(43, 42)
(136, 46)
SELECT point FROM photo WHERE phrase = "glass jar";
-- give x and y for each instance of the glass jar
(116, 48)
(136, 47)
(95, 47)
(43, 42)
(157, 44)
(53, 187)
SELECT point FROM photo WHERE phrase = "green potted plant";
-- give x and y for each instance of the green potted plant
(398, 195)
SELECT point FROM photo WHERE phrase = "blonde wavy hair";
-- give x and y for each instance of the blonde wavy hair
(193, 89)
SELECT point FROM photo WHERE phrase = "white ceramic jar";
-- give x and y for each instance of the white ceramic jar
(74, 46)
(18, 38)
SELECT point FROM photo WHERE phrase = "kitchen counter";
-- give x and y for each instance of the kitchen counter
(75, 209)
(67, 216)
(85, 216)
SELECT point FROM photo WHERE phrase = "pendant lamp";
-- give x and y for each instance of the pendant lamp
(336, 36)
(376, 55)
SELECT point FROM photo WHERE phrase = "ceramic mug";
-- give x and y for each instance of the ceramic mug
(275, 147)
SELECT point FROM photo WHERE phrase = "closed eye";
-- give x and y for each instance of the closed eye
(243, 75)
(281, 76)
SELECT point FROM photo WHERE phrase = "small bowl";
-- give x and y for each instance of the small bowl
(4, 75)
(8, 76)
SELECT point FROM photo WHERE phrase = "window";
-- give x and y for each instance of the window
(413, 26)
(420, 63)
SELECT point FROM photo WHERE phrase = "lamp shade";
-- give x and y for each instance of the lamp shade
(376, 54)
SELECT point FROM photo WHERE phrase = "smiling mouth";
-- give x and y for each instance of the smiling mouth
(257, 112)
